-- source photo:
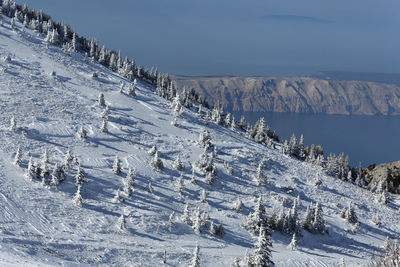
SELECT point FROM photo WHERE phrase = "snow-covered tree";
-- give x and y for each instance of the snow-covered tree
(193, 180)
(203, 196)
(30, 172)
(73, 42)
(129, 183)
(68, 159)
(257, 219)
(105, 113)
(171, 220)
(180, 185)
(13, 124)
(178, 163)
(116, 168)
(307, 222)
(204, 139)
(132, 90)
(196, 257)
(80, 176)
(150, 188)
(262, 251)
(82, 133)
(78, 197)
(164, 261)
(196, 221)
(212, 231)
(152, 150)
(176, 105)
(350, 214)
(57, 175)
(186, 216)
(18, 157)
(261, 178)
(156, 162)
(237, 205)
(104, 128)
(318, 222)
(293, 243)
(101, 101)
(376, 220)
(45, 175)
(121, 224)
(118, 198)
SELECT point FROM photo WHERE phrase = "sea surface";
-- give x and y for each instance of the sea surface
(366, 139)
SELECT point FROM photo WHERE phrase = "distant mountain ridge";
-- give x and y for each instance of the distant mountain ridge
(299, 95)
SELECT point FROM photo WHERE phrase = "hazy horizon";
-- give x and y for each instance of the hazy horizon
(251, 38)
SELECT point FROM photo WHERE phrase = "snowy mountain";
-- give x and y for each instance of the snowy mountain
(49, 95)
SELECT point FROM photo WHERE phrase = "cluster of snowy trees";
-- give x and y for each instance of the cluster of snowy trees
(54, 176)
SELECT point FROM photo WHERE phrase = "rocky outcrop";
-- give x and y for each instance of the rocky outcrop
(389, 173)
(301, 95)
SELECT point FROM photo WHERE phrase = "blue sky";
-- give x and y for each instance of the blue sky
(237, 37)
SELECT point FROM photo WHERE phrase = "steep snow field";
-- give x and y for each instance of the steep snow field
(42, 226)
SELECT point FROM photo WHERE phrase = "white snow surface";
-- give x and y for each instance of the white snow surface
(41, 226)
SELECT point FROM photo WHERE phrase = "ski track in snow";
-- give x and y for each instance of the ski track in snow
(41, 226)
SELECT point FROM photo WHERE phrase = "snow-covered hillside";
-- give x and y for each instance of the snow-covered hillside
(41, 225)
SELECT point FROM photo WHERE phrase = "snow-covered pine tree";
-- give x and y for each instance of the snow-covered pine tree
(78, 200)
(82, 133)
(261, 178)
(212, 231)
(68, 159)
(292, 220)
(156, 162)
(73, 42)
(318, 222)
(186, 216)
(30, 172)
(193, 180)
(150, 188)
(237, 205)
(203, 196)
(196, 257)
(178, 163)
(56, 175)
(293, 243)
(13, 124)
(376, 220)
(129, 183)
(80, 176)
(164, 261)
(132, 90)
(105, 113)
(116, 168)
(171, 220)
(104, 128)
(18, 157)
(257, 219)
(118, 198)
(205, 139)
(262, 251)
(196, 221)
(298, 201)
(45, 175)
(45, 157)
(307, 222)
(176, 105)
(152, 150)
(121, 224)
(350, 214)
(180, 185)
(101, 101)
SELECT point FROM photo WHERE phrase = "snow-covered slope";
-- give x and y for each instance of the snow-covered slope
(42, 226)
